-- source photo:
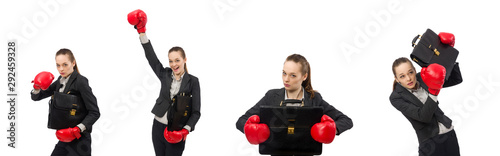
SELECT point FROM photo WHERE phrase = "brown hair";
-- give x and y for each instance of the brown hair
(68, 52)
(306, 68)
(395, 64)
(183, 54)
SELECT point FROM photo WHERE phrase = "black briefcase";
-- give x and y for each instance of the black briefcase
(65, 111)
(180, 111)
(290, 128)
(430, 50)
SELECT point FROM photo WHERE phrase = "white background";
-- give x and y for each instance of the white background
(237, 50)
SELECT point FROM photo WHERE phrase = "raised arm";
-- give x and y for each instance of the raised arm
(138, 19)
(455, 77)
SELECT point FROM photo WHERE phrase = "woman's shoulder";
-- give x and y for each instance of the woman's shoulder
(81, 77)
(275, 91)
(317, 95)
(193, 77)
(396, 93)
(81, 80)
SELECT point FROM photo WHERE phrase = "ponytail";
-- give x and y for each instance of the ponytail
(185, 68)
(394, 85)
(76, 68)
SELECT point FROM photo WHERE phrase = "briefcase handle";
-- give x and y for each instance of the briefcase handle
(292, 101)
(413, 43)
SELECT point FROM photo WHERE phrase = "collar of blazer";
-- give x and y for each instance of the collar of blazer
(280, 96)
(409, 96)
(185, 80)
(72, 78)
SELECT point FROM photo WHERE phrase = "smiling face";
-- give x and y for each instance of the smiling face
(406, 75)
(292, 76)
(176, 62)
(64, 65)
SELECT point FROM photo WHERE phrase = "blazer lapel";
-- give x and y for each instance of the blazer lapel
(307, 99)
(408, 96)
(70, 81)
(185, 80)
(58, 84)
(168, 82)
(278, 98)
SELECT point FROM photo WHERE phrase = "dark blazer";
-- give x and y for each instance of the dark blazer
(190, 84)
(79, 86)
(275, 96)
(423, 117)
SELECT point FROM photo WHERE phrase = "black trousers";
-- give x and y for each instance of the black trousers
(162, 147)
(77, 147)
(444, 144)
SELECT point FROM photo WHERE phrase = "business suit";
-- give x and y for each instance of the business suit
(190, 85)
(275, 96)
(78, 85)
(423, 117)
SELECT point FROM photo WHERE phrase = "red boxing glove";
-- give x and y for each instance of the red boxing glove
(324, 132)
(256, 132)
(139, 19)
(42, 80)
(175, 136)
(68, 134)
(433, 76)
(447, 38)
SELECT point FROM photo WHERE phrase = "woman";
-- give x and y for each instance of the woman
(415, 95)
(169, 128)
(75, 140)
(297, 85)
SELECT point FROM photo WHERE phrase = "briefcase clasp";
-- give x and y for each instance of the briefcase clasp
(291, 126)
(436, 52)
(73, 111)
(291, 129)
